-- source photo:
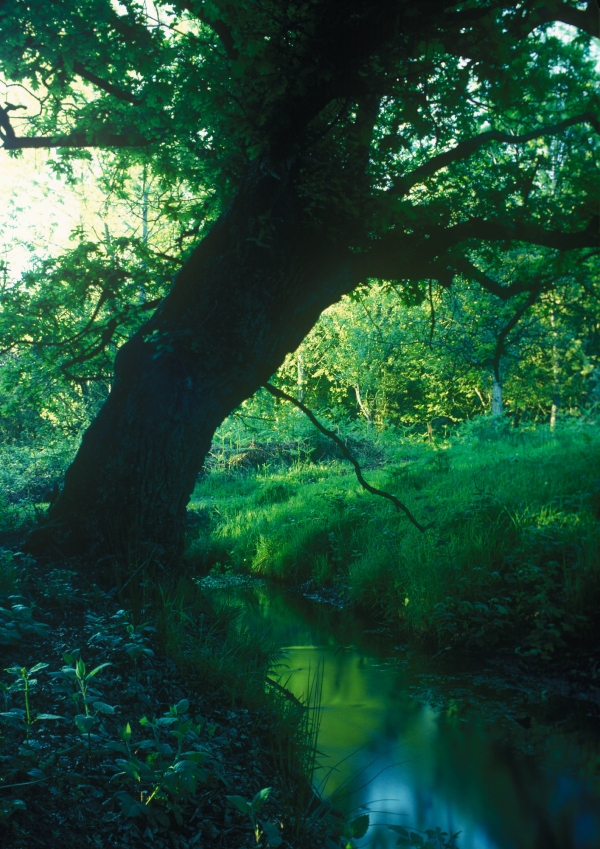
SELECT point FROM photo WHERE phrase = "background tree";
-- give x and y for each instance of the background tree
(324, 146)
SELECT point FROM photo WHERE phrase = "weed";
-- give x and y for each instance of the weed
(162, 778)
(429, 839)
(250, 808)
(17, 623)
(25, 683)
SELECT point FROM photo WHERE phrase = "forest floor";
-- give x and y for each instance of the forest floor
(146, 750)
(107, 741)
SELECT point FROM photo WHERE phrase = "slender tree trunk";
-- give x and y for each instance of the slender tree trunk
(363, 407)
(300, 367)
(144, 225)
(479, 394)
(497, 404)
(247, 296)
(555, 375)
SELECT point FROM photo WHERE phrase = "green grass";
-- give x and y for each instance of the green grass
(512, 557)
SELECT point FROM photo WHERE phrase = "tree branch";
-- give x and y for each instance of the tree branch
(117, 92)
(587, 19)
(219, 27)
(505, 293)
(279, 393)
(500, 348)
(467, 148)
(520, 231)
(101, 138)
(419, 256)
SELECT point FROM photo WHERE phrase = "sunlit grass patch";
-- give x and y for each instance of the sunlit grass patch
(503, 510)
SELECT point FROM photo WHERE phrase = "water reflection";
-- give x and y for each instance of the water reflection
(411, 764)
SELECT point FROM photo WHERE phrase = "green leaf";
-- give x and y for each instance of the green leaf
(240, 803)
(97, 670)
(131, 807)
(197, 757)
(69, 672)
(102, 707)
(260, 798)
(272, 833)
(182, 706)
(36, 774)
(48, 716)
(85, 723)
(37, 667)
(359, 826)
(125, 733)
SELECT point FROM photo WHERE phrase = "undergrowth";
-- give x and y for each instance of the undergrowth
(142, 715)
(512, 557)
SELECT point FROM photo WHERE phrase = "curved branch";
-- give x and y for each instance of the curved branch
(468, 147)
(106, 86)
(520, 231)
(106, 337)
(279, 393)
(419, 256)
(500, 348)
(505, 293)
(218, 26)
(7, 133)
(587, 19)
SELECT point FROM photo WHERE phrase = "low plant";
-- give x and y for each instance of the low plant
(25, 683)
(75, 672)
(250, 808)
(17, 623)
(163, 778)
(428, 839)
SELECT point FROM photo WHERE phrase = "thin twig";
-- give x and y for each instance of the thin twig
(279, 393)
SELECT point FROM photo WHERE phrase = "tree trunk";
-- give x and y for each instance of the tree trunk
(247, 296)
(555, 375)
(363, 407)
(497, 404)
(300, 366)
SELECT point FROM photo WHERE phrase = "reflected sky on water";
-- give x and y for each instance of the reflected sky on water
(416, 764)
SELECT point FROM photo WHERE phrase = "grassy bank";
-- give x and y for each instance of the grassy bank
(512, 557)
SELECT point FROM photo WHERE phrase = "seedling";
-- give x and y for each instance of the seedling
(164, 775)
(25, 683)
(251, 809)
(77, 673)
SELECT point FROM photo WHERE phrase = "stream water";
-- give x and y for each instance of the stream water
(415, 743)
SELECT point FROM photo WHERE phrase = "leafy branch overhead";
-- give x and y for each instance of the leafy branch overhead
(382, 110)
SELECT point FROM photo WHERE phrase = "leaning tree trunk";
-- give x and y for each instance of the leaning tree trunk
(247, 296)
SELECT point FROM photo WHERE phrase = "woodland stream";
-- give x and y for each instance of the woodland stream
(424, 743)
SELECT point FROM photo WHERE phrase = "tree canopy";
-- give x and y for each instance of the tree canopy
(415, 143)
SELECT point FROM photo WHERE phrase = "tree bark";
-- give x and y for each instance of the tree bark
(247, 296)
(555, 375)
(363, 407)
(497, 404)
